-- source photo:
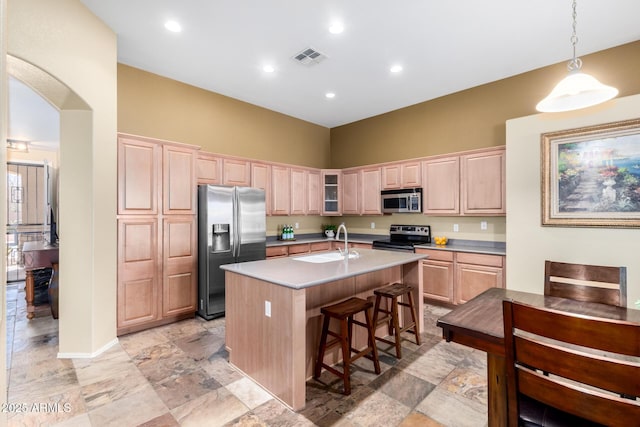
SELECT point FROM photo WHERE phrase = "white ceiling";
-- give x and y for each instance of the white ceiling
(444, 47)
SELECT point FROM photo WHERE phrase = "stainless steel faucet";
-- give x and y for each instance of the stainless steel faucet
(346, 244)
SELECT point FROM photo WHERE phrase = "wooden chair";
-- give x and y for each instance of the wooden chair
(586, 381)
(590, 283)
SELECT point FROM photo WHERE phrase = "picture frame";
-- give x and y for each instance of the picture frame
(591, 176)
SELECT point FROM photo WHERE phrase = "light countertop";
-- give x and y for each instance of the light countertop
(292, 273)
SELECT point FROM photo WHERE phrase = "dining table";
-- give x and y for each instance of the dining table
(478, 324)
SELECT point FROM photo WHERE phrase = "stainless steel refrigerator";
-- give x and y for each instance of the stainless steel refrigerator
(231, 228)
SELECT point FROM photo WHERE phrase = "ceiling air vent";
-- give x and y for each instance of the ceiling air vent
(309, 56)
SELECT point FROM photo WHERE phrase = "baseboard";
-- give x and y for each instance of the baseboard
(88, 355)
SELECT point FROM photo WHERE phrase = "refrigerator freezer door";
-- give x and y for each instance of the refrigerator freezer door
(215, 246)
(251, 229)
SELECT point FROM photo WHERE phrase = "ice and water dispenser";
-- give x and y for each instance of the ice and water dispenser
(221, 239)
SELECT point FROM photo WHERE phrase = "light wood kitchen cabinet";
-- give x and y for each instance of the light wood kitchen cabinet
(401, 175)
(280, 190)
(180, 266)
(441, 190)
(261, 178)
(361, 191)
(331, 192)
(351, 184)
(236, 172)
(277, 251)
(457, 277)
(371, 203)
(178, 174)
(437, 275)
(314, 204)
(300, 248)
(298, 191)
(475, 273)
(139, 272)
(157, 260)
(482, 177)
(208, 169)
(138, 176)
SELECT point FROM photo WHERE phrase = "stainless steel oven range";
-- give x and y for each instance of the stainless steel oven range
(404, 237)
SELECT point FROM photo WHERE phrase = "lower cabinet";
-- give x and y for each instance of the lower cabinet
(456, 277)
(157, 271)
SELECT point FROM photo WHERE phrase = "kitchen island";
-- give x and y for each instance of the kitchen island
(273, 317)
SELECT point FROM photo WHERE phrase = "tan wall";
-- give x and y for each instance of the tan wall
(474, 118)
(157, 107)
(73, 59)
(528, 243)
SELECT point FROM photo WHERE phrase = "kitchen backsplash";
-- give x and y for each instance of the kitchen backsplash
(469, 228)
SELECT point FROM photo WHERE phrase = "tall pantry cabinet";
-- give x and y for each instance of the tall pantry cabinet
(157, 233)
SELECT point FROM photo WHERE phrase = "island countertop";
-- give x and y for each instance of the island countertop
(296, 274)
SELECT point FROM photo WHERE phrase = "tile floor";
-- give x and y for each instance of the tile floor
(178, 375)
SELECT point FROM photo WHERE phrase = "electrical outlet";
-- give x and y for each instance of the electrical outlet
(456, 228)
(483, 225)
(267, 308)
(297, 225)
(373, 225)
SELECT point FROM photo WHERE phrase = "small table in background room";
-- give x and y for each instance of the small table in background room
(36, 255)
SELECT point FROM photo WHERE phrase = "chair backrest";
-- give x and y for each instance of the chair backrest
(586, 381)
(591, 283)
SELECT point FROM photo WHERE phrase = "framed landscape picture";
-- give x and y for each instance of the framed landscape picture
(591, 176)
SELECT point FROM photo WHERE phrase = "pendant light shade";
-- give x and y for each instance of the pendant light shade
(577, 90)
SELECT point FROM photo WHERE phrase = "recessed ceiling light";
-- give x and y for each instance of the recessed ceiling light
(268, 69)
(336, 28)
(173, 26)
(330, 95)
(396, 68)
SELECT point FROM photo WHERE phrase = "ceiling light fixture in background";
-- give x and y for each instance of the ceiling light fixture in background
(396, 68)
(577, 90)
(18, 145)
(268, 69)
(173, 26)
(330, 95)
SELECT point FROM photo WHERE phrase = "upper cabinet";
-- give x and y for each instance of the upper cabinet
(236, 172)
(280, 190)
(361, 191)
(261, 178)
(351, 199)
(314, 204)
(298, 191)
(482, 187)
(138, 176)
(178, 172)
(468, 184)
(401, 175)
(208, 168)
(441, 189)
(331, 192)
(370, 191)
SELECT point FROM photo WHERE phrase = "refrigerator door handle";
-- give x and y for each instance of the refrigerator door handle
(236, 218)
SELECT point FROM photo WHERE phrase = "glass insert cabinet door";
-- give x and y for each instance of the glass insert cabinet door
(331, 192)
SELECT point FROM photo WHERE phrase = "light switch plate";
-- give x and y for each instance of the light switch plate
(483, 225)
(267, 308)
(455, 228)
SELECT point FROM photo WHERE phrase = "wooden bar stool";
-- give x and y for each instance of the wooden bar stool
(393, 292)
(344, 312)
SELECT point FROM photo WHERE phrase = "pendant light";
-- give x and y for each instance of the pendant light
(577, 90)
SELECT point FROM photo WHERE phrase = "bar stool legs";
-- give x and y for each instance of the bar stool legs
(344, 312)
(393, 292)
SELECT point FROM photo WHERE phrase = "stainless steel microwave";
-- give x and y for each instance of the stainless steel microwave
(407, 200)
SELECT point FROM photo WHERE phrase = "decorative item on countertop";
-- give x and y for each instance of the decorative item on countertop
(329, 230)
(440, 240)
(287, 232)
